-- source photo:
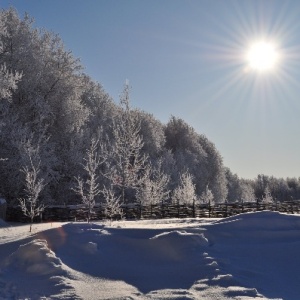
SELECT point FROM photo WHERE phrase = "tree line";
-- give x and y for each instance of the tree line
(64, 140)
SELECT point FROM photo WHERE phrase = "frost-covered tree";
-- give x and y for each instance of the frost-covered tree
(267, 198)
(102, 110)
(233, 186)
(112, 204)
(260, 184)
(154, 187)
(44, 92)
(291, 189)
(196, 153)
(34, 182)
(214, 171)
(8, 82)
(87, 187)
(207, 196)
(30, 204)
(8, 78)
(186, 151)
(21, 145)
(247, 191)
(185, 193)
(281, 189)
(49, 96)
(152, 133)
(126, 160)
(239, 190)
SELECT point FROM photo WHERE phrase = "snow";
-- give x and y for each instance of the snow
(249, 256)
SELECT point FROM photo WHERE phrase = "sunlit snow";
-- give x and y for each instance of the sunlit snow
(249, 256)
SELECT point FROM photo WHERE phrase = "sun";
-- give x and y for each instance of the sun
(262, 56)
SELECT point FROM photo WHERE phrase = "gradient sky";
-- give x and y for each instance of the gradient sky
(187, 58)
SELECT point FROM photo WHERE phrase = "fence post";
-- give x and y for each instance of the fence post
(140, 210)
(162, 209)
(194, 214)
(225, 213)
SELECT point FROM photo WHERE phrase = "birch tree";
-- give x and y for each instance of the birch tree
(127, 161)
(153, 188)
(88, 187)
(112, 204)
(30, 204)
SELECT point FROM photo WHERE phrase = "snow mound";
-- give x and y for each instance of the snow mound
(167, 294)
(91, 248)
(266, 220)
(174, 236)
(259, 227)
(35, 258)
(35, 262)
(259, 250)
(178, 244)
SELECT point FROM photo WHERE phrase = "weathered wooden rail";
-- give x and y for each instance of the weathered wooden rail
(156, 211)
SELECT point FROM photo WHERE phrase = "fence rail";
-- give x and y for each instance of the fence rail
(155, 211)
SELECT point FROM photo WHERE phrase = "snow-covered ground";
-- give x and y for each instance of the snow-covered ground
(249, 256)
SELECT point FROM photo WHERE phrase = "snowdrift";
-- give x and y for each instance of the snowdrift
(249, 256)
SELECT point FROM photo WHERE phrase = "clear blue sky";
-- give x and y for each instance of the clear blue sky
(187, 58)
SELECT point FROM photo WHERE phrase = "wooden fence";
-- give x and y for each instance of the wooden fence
(157, 211)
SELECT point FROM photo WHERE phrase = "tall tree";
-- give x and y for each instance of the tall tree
(88, 188)
(127, 161)
(214, 174)
(47, 98)
(247, 191)
(233, 186)
(152, 133)
(31, 204)
(8, 79)
(197, 154)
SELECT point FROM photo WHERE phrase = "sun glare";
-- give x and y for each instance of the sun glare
(262, 56)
